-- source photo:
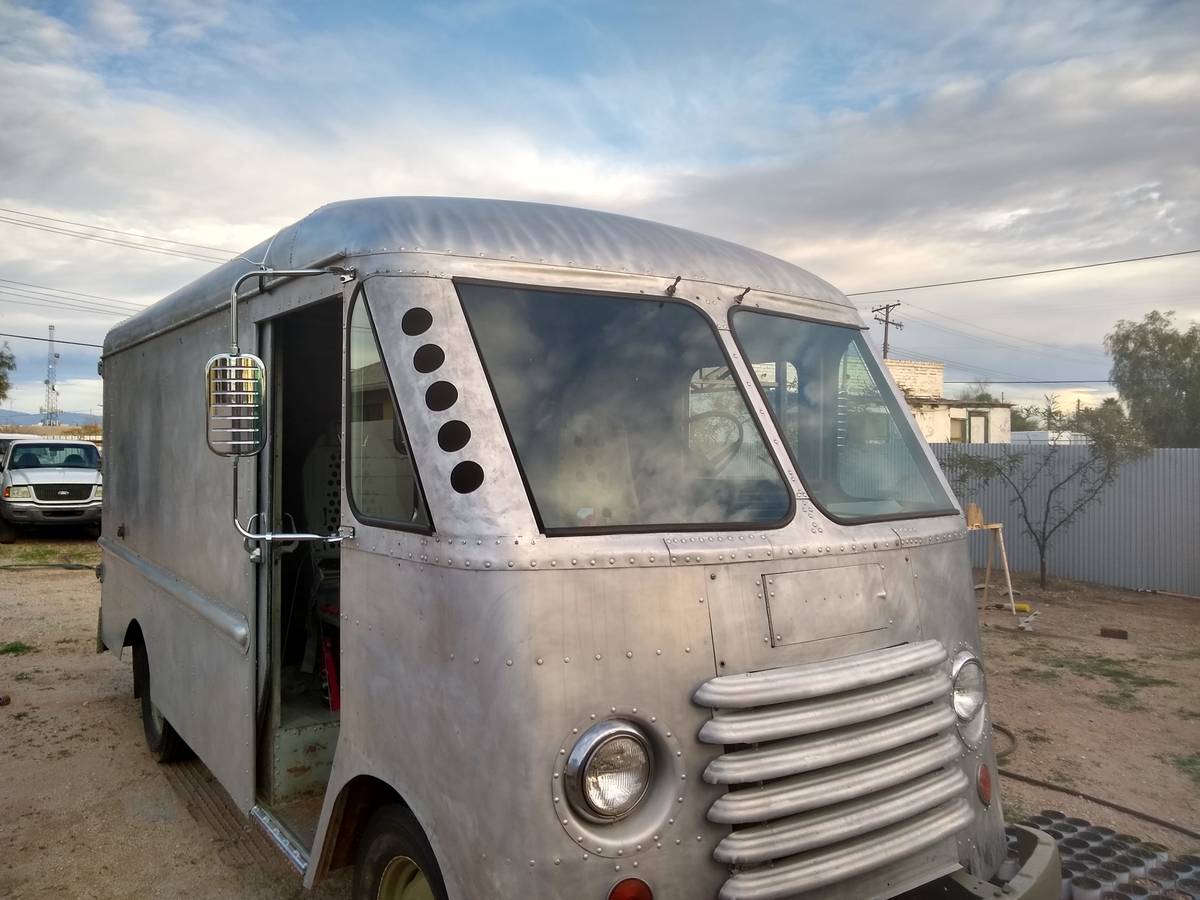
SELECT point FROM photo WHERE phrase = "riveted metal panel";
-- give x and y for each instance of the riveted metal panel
(837, 602)
(170, 560)
(494, 676)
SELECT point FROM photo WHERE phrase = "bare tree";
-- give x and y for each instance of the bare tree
(1051, 485)
(8, 364)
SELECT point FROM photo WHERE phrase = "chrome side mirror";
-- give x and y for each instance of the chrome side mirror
(235, 398)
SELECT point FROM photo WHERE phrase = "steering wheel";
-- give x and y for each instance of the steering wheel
(714, 463)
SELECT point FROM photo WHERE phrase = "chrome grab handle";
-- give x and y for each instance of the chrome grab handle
(344, 533)
(287, 536)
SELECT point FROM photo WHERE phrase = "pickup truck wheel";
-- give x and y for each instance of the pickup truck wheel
(8, 534)
(163, 742)
(395, 861)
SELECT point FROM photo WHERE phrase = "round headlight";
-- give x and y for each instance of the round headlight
(609, 770)
(969, 691)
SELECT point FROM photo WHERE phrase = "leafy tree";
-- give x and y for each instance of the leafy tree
(1026, 418)
(980, 391)
(1052, 484)
(1156, 369)
(8, 363)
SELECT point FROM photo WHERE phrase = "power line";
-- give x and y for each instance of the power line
(51, 305)
(970, 367)
(75, 302)
(1051, 349)
(47, 288)
(19, 212)
(30, 337)
(1096, 265)
(164, 251)
(1065, 381)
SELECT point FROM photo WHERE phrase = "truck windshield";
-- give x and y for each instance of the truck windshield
(622, 412)
(850, 438)
(46, 456)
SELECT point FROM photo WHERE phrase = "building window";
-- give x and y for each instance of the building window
(979, 428)
(958, 431)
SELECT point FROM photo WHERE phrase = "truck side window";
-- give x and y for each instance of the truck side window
(383, 483)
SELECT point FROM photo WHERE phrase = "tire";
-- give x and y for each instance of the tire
(395, 861)
(8, 533)
(163, 742)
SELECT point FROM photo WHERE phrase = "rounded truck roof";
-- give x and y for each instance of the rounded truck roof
(505, 230)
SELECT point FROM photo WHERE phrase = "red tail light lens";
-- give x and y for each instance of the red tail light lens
(631, 889)
(983, 784)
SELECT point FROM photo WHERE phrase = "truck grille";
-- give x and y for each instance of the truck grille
(834, 769)
(62, 493)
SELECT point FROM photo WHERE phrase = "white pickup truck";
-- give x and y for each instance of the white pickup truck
(48, 481)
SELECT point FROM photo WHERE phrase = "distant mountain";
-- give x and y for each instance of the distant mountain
(12, 417)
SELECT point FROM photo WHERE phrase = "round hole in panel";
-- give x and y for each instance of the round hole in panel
(453, 435)
(441, 395)
(428, 358)
(416, 321)
(466, 477)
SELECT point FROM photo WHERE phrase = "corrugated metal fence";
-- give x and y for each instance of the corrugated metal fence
(1144, 533)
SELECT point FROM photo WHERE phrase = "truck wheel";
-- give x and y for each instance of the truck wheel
(164, 743)
(8, 534)
(395, 861)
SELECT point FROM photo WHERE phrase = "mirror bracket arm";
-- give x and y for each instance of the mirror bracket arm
(346, 274)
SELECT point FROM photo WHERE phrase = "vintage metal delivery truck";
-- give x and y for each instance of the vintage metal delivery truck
(563, 555)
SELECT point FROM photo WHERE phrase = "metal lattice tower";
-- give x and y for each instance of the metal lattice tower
(50, 406)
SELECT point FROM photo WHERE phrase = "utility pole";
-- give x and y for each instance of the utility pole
(888, 323)
(50, 406)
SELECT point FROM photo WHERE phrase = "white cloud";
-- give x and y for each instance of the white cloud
(118, 23)
(954, 142)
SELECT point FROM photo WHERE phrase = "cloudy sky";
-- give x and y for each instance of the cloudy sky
(878, 144)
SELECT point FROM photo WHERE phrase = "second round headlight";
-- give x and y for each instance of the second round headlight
(969, 688)
(609, 770)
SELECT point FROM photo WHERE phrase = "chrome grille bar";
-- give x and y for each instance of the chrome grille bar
(809, 716)
(844, 782)
(834, 769)
(819, 679)
(820, 868)
(828, 748)
(795, 834)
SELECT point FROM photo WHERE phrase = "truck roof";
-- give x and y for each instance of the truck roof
(504, 230)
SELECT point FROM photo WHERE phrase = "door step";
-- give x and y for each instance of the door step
(282, 838)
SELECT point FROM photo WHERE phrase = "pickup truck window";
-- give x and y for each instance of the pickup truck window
(54, 456)
(622, 412)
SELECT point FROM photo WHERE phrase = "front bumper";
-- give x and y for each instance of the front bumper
(34, 513)
(1039, 878)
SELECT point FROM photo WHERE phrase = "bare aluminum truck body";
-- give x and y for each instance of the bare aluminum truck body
(565, 555)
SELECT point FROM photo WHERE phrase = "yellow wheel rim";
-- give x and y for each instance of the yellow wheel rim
(403, 880)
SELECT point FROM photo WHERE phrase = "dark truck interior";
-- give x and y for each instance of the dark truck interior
(300, 726)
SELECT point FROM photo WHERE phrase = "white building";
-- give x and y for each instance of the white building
(944, 420)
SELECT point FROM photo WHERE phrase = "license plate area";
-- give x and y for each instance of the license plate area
(819, 604)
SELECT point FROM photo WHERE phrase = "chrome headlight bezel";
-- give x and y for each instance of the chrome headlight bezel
(971, 722)
(584, 753)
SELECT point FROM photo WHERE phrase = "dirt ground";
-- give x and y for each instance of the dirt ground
(88, 814)
(1117, 719)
